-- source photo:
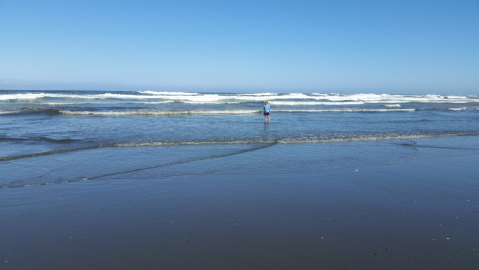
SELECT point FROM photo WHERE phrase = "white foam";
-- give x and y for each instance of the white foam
(167, 93)
(28, 96)
(10, 112)
(209, 102)
(314, 103)
(387, 98)
(261, 94)
(225, 98)
(316, 97)
(348, 110)
(215, 112)
(58, 103)
(123, 96)
(287, 99)
(145, 112)
(458, 109)
(393, 105)
(32, 96)
(153, 102)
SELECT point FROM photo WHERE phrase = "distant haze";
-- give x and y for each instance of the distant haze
(241, 46)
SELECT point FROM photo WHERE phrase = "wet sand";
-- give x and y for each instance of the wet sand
(269, 208)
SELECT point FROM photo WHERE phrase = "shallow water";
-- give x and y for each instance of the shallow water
(38, 123)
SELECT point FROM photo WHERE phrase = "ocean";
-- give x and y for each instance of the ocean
(53, 123)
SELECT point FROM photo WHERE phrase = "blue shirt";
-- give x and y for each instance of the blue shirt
(266, 108)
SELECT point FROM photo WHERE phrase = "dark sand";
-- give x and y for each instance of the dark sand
(370, 205)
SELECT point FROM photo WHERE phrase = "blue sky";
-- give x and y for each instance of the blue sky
(289, 46)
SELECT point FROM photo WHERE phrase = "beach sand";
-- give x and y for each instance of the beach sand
(349, 205)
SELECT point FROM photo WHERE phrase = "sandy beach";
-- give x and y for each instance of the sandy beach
(332, 206)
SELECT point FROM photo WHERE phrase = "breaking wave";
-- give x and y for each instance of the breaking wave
(458, 109)
(393, 105)
(208, 98)
(217, 112)
(144, 112)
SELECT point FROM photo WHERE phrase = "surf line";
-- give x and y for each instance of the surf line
(384, 137)
(179, 162)
(113, 145)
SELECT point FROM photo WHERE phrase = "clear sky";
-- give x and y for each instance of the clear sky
(330, 46)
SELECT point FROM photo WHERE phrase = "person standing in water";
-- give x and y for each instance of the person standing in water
(266, 112)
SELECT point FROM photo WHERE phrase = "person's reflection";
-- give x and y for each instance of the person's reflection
(266, 132)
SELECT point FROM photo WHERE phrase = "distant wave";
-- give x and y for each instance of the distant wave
(315, 103)
(34, 96)
(208, 98)
(149, 92)
(388, 98)
(29, 96)
(261, 94)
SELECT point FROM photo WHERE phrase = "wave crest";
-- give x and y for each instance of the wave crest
(207, 98)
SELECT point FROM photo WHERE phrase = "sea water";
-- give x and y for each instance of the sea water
(52, 125)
